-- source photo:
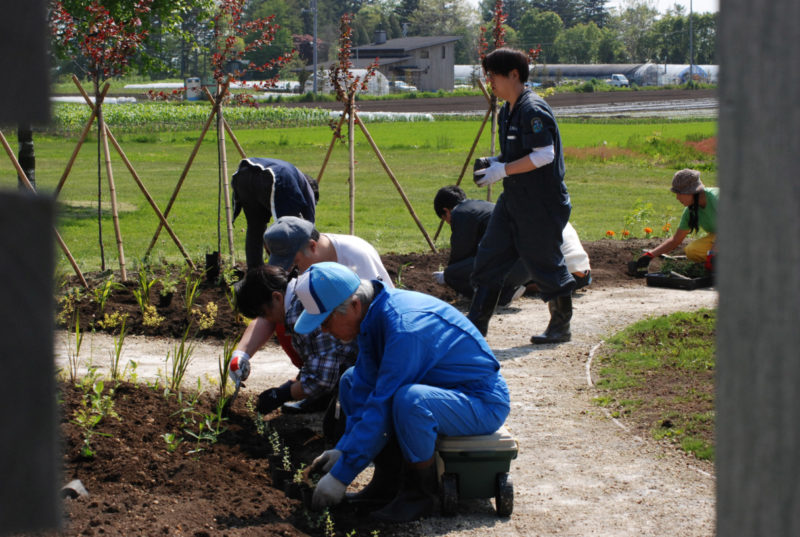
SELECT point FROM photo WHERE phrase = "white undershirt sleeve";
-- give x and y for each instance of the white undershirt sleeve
(542, 156)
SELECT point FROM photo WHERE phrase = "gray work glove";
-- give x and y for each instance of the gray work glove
(325, 462)
(329, 491)
(438, 277)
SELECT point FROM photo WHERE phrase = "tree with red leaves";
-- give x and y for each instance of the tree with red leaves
(345, 84)
(107, 44)
(231, 49)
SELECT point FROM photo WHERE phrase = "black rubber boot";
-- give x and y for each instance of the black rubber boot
(418, 495)
(385, 482)
(558, 329)
(482, 308)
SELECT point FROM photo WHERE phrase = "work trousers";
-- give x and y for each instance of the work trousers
(253, 191)
(457, 276)
(697, 250)
(523, 226)
(420, 413)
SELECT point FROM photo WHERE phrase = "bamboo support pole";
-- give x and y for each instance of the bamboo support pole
(466, 163)
(330, 149)
(352, 149)
(223, 171)
(139, 182)
(235, 141)
(492, 149)
(185, 172)
(150, 199)
(29, 186)
(101, 128)
(394, 179)
(83, 136)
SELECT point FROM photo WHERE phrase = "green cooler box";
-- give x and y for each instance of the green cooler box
(476, 467)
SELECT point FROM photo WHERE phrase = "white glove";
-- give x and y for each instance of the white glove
(329, 491)
(239, 367)
(439, 277)
(325, 462)
(492, 174)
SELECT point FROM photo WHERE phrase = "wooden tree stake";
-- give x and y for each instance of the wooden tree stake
(186, 169)
(352, 147)
(394, 179)
(223, 171)
(29, 186)
(101, 128)
(139, 182)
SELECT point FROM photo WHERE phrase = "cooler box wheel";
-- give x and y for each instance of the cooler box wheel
(504, 495)
(449, 494)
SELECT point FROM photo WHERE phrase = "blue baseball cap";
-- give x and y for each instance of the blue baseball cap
(322, 288)
(285, 238)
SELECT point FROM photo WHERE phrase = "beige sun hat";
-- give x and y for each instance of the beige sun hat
(687, 181)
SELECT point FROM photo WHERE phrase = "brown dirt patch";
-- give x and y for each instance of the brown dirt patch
(411, 271)
(707, 146)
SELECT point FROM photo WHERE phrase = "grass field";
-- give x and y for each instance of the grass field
(659, 374)
(617, 173)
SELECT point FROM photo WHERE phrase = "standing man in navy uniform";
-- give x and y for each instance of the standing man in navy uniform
(531, 213)
(267, 188)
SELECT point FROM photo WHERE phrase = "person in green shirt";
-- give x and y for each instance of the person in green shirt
(700, 213)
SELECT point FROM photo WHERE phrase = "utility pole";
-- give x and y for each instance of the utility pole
(314, 7)
(691, 45)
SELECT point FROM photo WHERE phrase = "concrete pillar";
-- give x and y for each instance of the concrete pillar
(29, 481)
(758, 385)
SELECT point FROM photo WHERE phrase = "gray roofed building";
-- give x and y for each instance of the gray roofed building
(425, 62)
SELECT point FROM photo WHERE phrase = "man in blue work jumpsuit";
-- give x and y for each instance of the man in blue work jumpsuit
(422, 370)
(267, 188)
(530, 215)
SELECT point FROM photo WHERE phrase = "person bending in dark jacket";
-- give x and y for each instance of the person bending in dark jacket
(265, 188)
(468, 219)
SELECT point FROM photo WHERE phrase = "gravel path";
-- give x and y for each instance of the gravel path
(578, 472)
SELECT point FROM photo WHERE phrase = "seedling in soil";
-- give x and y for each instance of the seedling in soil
(142, 294)
(224, 363)
(179, 362)
(73, 353)
(205, 319)
(287, 462)
(258, 418)
(117, 352)
(399, 283)
(95, 406)
(172, 440)
(190, 293)
(103, 291)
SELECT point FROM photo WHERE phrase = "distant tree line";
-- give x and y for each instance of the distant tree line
(180, 38)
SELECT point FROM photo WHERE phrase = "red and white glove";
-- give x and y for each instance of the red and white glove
(239, 367)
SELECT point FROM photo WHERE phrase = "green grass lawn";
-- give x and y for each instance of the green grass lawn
(659, 374)
(618, 175)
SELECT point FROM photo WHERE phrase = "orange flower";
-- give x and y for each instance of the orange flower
(665, 228)
(609, 233)
(625, 232)
(648, 230)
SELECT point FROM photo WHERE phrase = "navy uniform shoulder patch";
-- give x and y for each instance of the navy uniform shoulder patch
(537, 125)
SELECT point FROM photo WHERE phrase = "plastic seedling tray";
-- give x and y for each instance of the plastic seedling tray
(675, 281)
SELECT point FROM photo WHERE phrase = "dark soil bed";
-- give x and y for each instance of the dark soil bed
(138, 486)
(413, 271)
